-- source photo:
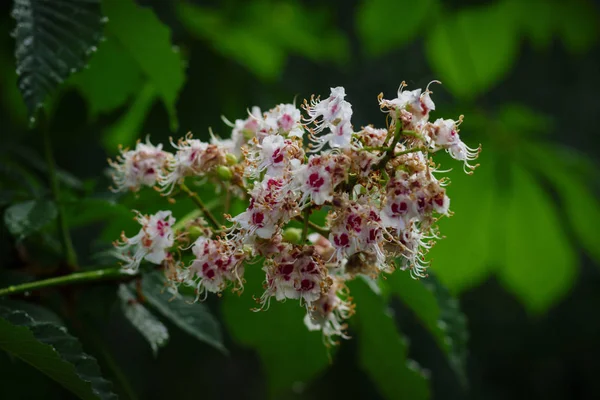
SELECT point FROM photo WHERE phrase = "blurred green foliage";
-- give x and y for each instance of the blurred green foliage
(527, 216)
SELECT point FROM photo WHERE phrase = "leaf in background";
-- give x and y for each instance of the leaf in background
(262, 35)
(23, 219)
(520, 120)
(148, 42)
(539, 263)
(31, 157)
(438, 312)
(194, 319)
(89, 210)
(112, 77)
(382, 350)
(126, 130)
(578, 24)
(49, 348)
(463, 257)
(53, 40)
(143, 320)
(408, 16)
(473, 49)
(288, 351)
(577, 200)
(262, 57)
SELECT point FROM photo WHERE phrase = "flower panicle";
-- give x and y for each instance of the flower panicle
(379, 186)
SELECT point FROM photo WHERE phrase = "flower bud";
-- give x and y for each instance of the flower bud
(231, 159)
(224, 173)
(195, 232)
(292, 235)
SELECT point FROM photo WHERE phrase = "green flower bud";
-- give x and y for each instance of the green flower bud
(195, 232)
(224, 173)
(231, 159)
(292, 235)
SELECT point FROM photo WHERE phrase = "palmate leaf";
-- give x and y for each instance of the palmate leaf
(378, 37)
(576, 197)
(147, 41)
(473, 49)
(150, 327)
(194, 319)
(28, 217)
(53, 40)
(49, 348)
(539, 264)
(288, 351)
(439, 313)
(382, 350)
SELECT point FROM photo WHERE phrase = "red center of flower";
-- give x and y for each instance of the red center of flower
(315, 180)
(341, 240)
(277, 156)
(354, 222)
(286, 122)
(306, 285)
(258, 218)
(399, 208)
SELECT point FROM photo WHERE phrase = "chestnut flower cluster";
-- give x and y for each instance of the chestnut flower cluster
(379, 187)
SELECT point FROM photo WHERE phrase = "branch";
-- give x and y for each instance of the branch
(75, 278)
(211, 218)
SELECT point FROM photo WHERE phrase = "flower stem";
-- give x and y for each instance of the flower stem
(211, 218)
(319, 229)
(63, 228)
(306, 221)
(74, 278)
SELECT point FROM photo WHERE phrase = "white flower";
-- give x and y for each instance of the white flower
(151, 243)
(139, 167)
(333, 113)
(329, 312)
(318, 178)
(285, 120)
(443, 133)
(412, 101)
(193, 158)
(215, 265)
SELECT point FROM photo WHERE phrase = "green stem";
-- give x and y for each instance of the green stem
(63, 228)
(74, 278)
(319, 229)
(306, 221)
(390, 151)
(211, 218)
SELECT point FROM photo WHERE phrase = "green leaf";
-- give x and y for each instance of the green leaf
(261, 34)
(194, 319)
(463, 257)
(49, 348)
(89, 210)
(53, 40)
(409, 16)
(148, 42)
(127, 129)
(23, 219)
(143, 320)
(382, 350)
(578, 24)
(539, 263)
(262, 56)
(288, 351)
(439, 313)
(577, 200)
(111, 79)
(472, 50)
